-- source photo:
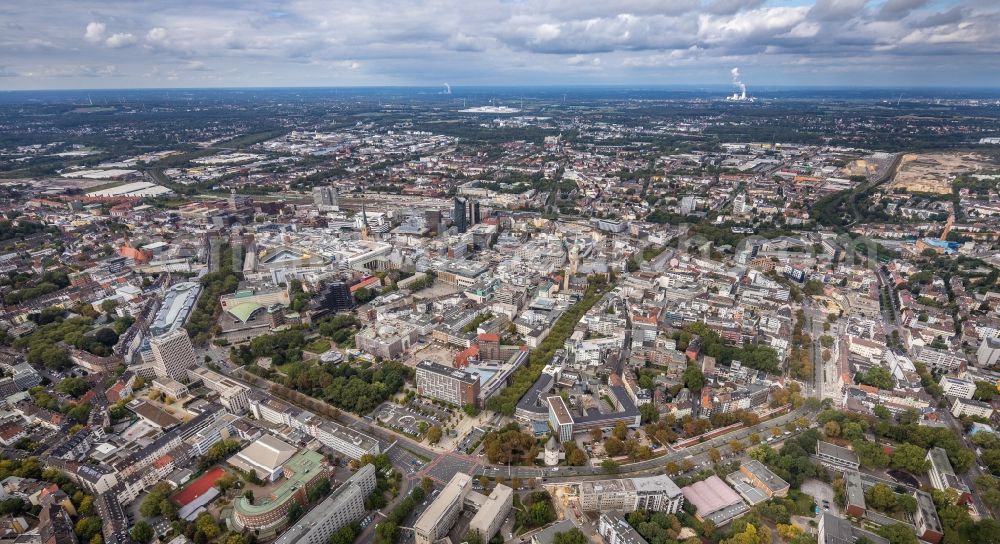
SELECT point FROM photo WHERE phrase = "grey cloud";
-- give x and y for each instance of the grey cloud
(896, 9)
(729, 7)
(623, 32)
(954, 15)
(836, 10)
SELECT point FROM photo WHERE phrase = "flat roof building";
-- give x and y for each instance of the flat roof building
(957, 387)
(232, 394)
(173, 354)
(560, 418)
(836, 457)
(943, 476)
(548, 534)
(855, 494)
(343, 507)
(615, 530)
(834, 530)
(441, 514)
(493, 510)
(926, 520)
(354, 444)
(452, 385)
(653, 493)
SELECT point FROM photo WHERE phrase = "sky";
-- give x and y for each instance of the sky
(83, 44)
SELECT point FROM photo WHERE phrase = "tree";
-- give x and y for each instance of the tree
(714, 455)
(142, 532)
(907, 503)
(150, 507)
(168, 509)
(206, 524)
(649, 413)
(427, 484)
(364, 294)
(870, 454)
(881, 412)
(750, 535)
(614, 447)
(346, 534)
(106, 336)
(572, 536)
(472, 536)
(575, 457)
(609, 466)
(788, 532)
(596, 434)
(881, 497)
(898, 533)
(87, 527)
(831, 429)
(985, 391)
(736, 446)
(693, 378)
(910, 458)
(754, 438)
(620, 431)
(877, 377)
(434, 435)
(73, 386)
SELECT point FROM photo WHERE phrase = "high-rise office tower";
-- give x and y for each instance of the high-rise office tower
(474, 217)
(172, 354)
(458, 216)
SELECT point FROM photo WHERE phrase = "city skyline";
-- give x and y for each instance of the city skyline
(270, 43)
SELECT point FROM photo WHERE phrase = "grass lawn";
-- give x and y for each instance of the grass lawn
(319, 345)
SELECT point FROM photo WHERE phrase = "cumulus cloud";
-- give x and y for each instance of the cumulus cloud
(95, 32)
(583, 60)
(157, 35)
(121, 39)
(307, 41)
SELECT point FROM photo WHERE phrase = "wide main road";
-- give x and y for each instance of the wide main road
(478, 467)
(654, 464)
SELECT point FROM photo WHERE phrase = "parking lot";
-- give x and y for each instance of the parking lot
(431, 411)
(404, 418)
(821, 492)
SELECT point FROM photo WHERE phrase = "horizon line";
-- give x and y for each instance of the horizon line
(621, 86)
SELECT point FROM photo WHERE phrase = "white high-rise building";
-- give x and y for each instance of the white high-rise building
(172, 354)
